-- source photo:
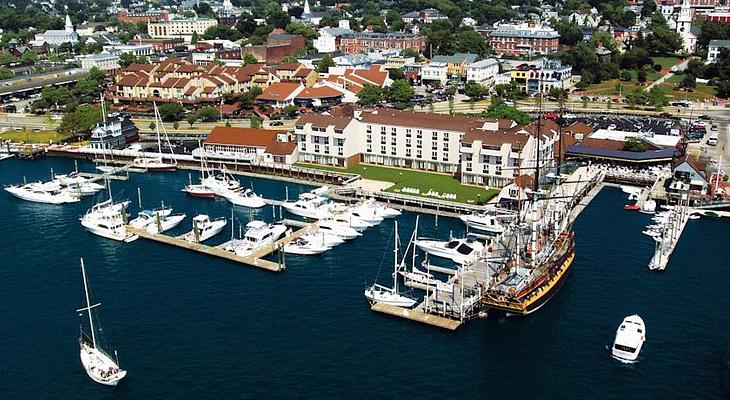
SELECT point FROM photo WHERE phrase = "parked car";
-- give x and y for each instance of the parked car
(276, 123)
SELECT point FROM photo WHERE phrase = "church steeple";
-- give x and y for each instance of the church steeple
(685, 12)
(69, 25)
(307, 12)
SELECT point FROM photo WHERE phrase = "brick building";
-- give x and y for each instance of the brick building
(163, 45)
(142, 16)
(277, 47)
(364, 42)
(518, 40)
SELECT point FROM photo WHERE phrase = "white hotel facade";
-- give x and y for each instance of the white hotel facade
(480, 151)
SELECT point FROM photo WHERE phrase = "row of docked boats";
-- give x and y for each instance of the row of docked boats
(222, 184)
(62, 189)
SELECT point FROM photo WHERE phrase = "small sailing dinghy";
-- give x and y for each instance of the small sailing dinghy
(100, 367)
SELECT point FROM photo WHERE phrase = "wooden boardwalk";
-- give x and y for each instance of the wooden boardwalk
(255, 259)
(417, 315)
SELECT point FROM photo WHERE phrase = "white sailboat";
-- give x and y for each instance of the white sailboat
(100, 367)
(156, 163)
(200, 189)
(383, 294)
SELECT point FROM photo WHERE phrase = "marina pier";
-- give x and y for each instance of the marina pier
(255, 259)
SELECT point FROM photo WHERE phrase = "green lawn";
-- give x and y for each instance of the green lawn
(666, 62)
(33, 136)
(415, 179)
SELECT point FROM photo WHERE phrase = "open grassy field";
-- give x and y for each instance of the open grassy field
(33, 136)
(666, 62)
(701, 92)
(424, 181)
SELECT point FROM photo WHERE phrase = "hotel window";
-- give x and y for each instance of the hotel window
(327, 149)
(419, 133)
(339, 151)
(382, 140)
(382, 129)
(499, 170)
(445, 156)
(446, 136)
(369, 138)
(435, 135)
(435, 155)
(369, 148)
(468, 166)
(392, 141)
(382, 150)
(392, 151)
(434, 146)
(498, 160)
(408, 142)
(408, 152)
(339, 142)
(408, 133)
(316, 148)
(419, 153)
(446, 147)
(419, 143)
(393, 131)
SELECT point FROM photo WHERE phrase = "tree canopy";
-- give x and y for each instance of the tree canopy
(370, 94)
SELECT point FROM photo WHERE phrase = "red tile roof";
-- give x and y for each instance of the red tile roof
(242, 136)
(318, 93)
(278, 148)
(323, 121)
(279, 91)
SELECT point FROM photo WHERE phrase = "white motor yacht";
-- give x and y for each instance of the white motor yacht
(304, 246)
(381, 210)
(649, 207)
(258, 234)
(308, 206)
(146, 217)
(338, 229)
(165, 223)
(485, 222)
(630, 337)
(99, 366)
(460, 251)
(204, 228)
(107, 219)
(221, 182)
(348, 219)
(366, 214)
(243, 198)
(326, 239)
(39, 192)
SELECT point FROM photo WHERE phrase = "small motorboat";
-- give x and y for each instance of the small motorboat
(305, 247)
(632, 207)
(243, 198)
(630, 337)
(460, 251)
(165, 223)
(199, 190)
(204, 228)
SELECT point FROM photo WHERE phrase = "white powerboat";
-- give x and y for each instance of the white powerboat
(461, 251)
(146, 217)
(485, 222)
(338, 229)
(347, 219)
(100, 367)
(258, 234)
(380, 209)
(204, 228)
(199, 190)
(39, 192)
(389, 295)
(649, 207)
(326, 239)
(630, 337)
(304, 246)
(221, 182)
(107, 219)
(243, 198)
(308, 206)
(165, 223)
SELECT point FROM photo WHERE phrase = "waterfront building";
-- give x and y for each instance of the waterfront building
(183, 28)
(138, 50)
(248, 145)
(523, 40)
(453, 144)
(116, 132)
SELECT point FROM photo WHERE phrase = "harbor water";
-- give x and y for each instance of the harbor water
(190, 326)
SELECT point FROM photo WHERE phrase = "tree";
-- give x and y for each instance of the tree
(152, 126)
(204, 10)
(499, 109)
(298, 28)
(469, 41)
(626, 75)
(474, 91)
(125, 59)
(7, 58)
(289, 111)
(401, 93)
(570, 33)
(657, 98)
(648, 8)
(396, 73)
(246, 101)
(394, 20)
(255, 122)
(249, 58)
(325, 63)
(29, 57)
(641, 76)
(55, 95)
(634, 144)
(289, 59)
(171, 111)
(6, 73)
(246, 24)
(410, 53)
(662, 40)
(175, 125)
(191, 120)
(689, 82)
(370, 94)
(278, 19)
(81, 121)
(194, 38)
(440, 34)
(208, 114)
(221, 32)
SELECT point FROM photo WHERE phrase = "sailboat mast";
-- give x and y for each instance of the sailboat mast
(158, 121)
(395, 259)
(415, 236)
(88, 304)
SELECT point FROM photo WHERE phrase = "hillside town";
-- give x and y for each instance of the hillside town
(368, 82)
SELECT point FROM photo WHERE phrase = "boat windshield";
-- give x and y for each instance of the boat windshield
(464, 249)
(624, 348)
(452, 244)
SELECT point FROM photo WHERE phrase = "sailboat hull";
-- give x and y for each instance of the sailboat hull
(100, 367)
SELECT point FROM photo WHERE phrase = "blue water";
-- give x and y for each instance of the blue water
(188, 326)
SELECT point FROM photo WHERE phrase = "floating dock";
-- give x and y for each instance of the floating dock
(255, 259)
(416, 314)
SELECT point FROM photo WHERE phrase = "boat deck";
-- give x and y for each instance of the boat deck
(256, 259)
(416, 314)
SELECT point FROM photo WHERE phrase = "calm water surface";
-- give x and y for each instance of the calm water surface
(188, 326)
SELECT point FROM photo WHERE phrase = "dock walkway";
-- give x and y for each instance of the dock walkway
(255, 259)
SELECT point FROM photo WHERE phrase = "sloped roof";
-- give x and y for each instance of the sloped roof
(278, 148)
(279, 91)
(323, 121)
(242, 136)
(318, 93)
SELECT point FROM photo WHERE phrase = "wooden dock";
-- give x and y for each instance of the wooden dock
(417, 315)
